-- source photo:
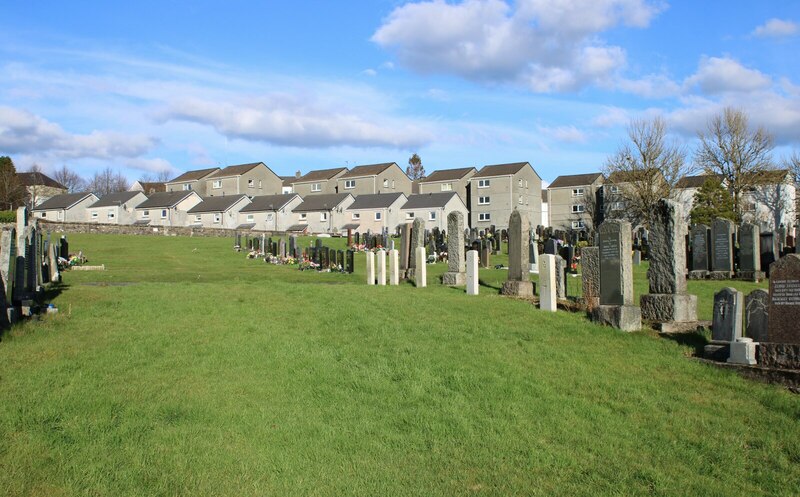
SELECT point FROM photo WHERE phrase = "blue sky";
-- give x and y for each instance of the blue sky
(149, 86)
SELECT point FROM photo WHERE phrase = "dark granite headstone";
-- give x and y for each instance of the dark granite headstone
(350, 264)
(721, 248)
(551, 246)
(749, 245)
(700, 236)
(756, 313)
(590, 275)
(726, 323)
(784, 303)
(616, 281)
(768, 250)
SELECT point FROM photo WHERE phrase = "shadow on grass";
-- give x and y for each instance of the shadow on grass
(695, 340)
(487, 285)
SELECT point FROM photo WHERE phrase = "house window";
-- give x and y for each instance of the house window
(447, 187)
(269, 217)
(94, 214)
(197, 218)
(617, 206)
(323, 216)
(484, 216)
(44, 214)
(250, 218)
(409, 215)
(60, 215)
(432, 216)
(356, 216)
(483, 201)
(251, 183)
(577, 208)
(303, 217)
(377, 216)
(484, 183)
(217, 217)
(163, 213)
(614, 189)
(577, 192)
(526, 184)
(577, 225)
(349, 184)
(750, 206)
(316, 187)
(111, 215)
(521, 200)
(392, 184)
(145, 214)
(520, 183)
(259, 184)
(217, 183)
(187, 186)
(386, 183)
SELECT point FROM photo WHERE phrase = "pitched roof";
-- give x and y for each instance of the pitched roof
(152, 186)
(319, 175)
(321, 202)
(216, 204)
(574, 180)
(500, 170)
(164, 199)
(428, 200)
(236, 170)
(447, 174)
(38, 179)
(114, 199)
(375, 201)
(63, 201)
(696, 181)
(368, 170)
(632, 176)
(287, 180)
(770, 176)
(265, 203)
(195, 175)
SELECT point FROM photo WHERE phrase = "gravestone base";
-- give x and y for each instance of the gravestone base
(682, 327)
(698, 275)
(623, 317)
(720, 275)
(717, 351)
(778, 355)
(755, 276)
(517, 288)
(454, 279)
(669, 307)
(743, 351)
(591, 302)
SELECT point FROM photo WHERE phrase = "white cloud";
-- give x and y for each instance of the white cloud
(776, 28)
(718, 75)
(611, 117)
(567, 134)
(547, 46)
(369, 72)
(156, 165)
(651, 86)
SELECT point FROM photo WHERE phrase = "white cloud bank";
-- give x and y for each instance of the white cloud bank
(776, 28)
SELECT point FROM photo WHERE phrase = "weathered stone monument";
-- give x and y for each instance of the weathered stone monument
(405, 248)
(417, 241)
(472, 272)
(370, 267)
(394, 267)
(616, 278)
(22, 223)
(721, 249)
(421, 271)
(756, 314)
(749, 253)
(533, 253)
(726, 323)
(381, 254)
(547, 283)
(768, 250)
(518, 283)
(668, 301)
(456, 268)
(699, 239)
(561, 278)
(784, 302)
(590, 276)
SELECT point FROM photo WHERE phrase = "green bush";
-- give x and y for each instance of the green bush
(8, 216)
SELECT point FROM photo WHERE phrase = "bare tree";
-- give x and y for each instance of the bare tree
(642, 171)
(792, 163)
(770, 190)
(729, 147)
(69, 179)
(108, 181)
(12, 192)
(159, 177)
(592, 214)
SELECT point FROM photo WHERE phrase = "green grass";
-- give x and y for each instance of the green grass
(186, 369)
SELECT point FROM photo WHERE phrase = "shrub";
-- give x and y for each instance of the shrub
(8, 216)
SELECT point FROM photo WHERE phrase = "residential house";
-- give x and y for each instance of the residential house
(167, 208)
(148, 187)
(449, 180)
(191, 181)
(375, 212)
(621, 188)
(67, 207)
(39, 187)
(115, 208)
(269, 212)
(249, 179)
(322, 213)
(322, 181)
(218, 212)
(374, 178)
(573, 201)
(433, 208)
(498, 190)
(687, 187)
(772, 200)
(286, 183)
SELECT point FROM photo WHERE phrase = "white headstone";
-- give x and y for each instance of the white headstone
(547, 283)
(421, 272)
(370, 267)
(381, 267)
(743, 351)
(394, 267)
(472, 272)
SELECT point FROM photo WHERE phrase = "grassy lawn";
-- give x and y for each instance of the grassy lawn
(186, 369)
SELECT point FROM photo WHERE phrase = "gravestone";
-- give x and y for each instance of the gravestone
(293, 245)
(64, 247)
(668, 301)
(637, 257)
(551, 246)
(405, 248)
(486, 255)
(417, 240)
(394, 267)
(547, 283)
(784, 303)
(700, 237)
(721, 249)
(456, 269)
(8, 263)
(22, 223)
(726, 324)
(590, 276)
(749, 254)
(616, 278)
(55, 274)
(561, 278)
(743, 351)
(282, 248)
(756, 313)
(768, 250)
(421, 271)
(381, 254)
(518, 283)
(533, 254)
(349, 237)
(472, 272)
(370, 267)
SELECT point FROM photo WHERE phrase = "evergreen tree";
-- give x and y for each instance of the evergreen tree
(712, 201)
(415, 169)
(12, 192)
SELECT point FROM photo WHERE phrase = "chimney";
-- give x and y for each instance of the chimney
(297, 174)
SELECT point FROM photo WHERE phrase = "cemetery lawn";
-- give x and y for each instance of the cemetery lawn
(186, 369)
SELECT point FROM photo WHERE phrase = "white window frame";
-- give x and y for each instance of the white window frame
(378, 215)
(216, 184)
(304, 216)
(521, 199)
(111, 214)
(409, 215)
(94, 215)
(187, 187)
(198, 218)
(259, 185)
(356, 216)
(520, 183)
(484, 183)
(484, 200)
(386, 183)
(323, 216)
(269, 216)
(578, 225)
(60, 215)
(614, 189)
(164, 213)
(431, 215)
(316, 187)
(349, 184)
(251, 217)
(578, 192)
(577, 208)
(217, 218)
(146, 214)
(393, 185)
(447, 187)
(617, 206)
(484, 216)
(251, 183)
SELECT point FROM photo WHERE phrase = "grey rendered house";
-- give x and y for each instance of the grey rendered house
(115, 208)
(498, 190)
(687, 187)
(571, 200)
(433, 208)
(322, 213)
(67, 207)
(248, 179)
(190, 181)
(449, 180)
(167, 208)
(269, 212)
(217, 212)
(374, 178)
(322, 181)
(375, 212)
